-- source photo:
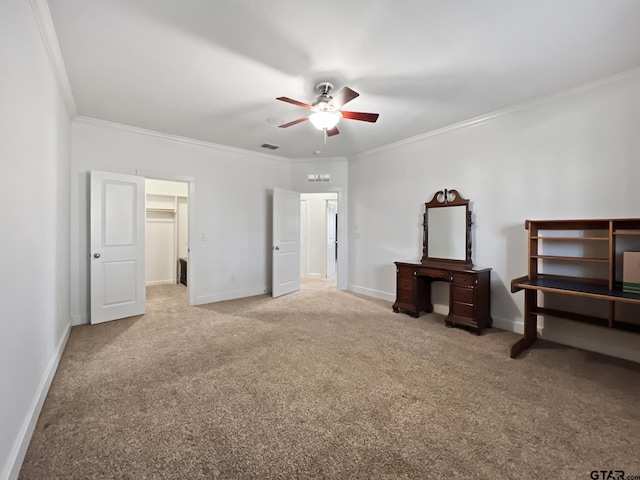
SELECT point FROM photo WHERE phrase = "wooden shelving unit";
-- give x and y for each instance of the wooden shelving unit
(592, 243)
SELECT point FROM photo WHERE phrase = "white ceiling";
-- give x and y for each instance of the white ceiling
(211, 69)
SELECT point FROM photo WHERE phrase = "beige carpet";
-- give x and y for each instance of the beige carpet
(326, 384)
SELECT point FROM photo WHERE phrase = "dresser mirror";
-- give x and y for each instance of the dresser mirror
(447, 230)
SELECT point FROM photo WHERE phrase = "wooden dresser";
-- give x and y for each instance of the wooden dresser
(182, 274)
(469, 294)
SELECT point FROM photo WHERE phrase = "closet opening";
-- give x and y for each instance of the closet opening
(166, 234)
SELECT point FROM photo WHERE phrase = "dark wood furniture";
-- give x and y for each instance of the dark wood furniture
(446, 257)
(449, 240)
(589, 254)
(469, 293)
(182, 271)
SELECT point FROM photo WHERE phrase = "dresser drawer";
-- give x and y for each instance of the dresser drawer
(432, 272)
(406, 272)
(462, 309)
(405, 284)
(404, 297)
(462, 294)
(464, 279)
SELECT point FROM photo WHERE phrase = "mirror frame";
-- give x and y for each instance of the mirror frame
(442, 199)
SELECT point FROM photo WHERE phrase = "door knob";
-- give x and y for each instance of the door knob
(96, 255)
(276, 248)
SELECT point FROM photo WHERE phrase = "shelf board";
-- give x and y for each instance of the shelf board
(580, 280)
(627, 327)
(626, 232)
(572, 287)
(576, 224)
(571, 239)
(586, 224)
(161, 210)
(571, 259)
(577, 317)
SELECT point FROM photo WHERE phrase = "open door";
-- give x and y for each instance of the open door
(286, 242)
(117, 246)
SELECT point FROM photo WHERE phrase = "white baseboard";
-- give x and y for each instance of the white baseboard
(508, 325)
(370, 292)
(441, 309)
(614, 343)
(160, 282)
(19, 450)
(252, 292)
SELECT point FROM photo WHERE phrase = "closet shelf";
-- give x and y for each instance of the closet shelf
(571, 259)
(165, 210)
(572, 239)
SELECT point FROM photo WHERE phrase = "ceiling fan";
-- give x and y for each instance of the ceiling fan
(326, 109)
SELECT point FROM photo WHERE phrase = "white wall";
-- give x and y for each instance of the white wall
(34, 207)
(576, 155)
(232, 205)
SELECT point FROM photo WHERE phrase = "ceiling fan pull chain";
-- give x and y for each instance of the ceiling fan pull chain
(325, 135)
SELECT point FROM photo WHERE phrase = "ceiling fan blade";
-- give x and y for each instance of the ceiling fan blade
(295, 122)
(365, 117)
(332, 132)
(342, 97)
(295, 102)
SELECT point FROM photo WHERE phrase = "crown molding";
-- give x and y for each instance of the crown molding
(175, 138)
(482, 119)
(42, 16)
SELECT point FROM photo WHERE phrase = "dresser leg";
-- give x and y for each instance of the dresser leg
(530, 324)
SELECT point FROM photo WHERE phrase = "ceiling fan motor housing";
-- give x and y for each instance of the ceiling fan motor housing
(323, 88)
(322, 102)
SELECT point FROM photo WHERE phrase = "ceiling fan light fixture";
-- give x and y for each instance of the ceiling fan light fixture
(324, 120)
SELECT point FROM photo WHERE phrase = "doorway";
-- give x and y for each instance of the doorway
(182, 187)
(318, 235)
(166, 232)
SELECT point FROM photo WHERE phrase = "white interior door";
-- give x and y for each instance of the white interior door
(117, 246)
(304, 264)
(332, 210)
(286, 242)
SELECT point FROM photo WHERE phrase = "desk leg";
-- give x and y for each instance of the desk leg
(530, 324)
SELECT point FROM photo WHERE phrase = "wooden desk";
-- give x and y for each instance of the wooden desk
(469, 295)
(576, 244)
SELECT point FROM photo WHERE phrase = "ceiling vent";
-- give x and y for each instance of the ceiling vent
(319, 177)
(270, 146)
